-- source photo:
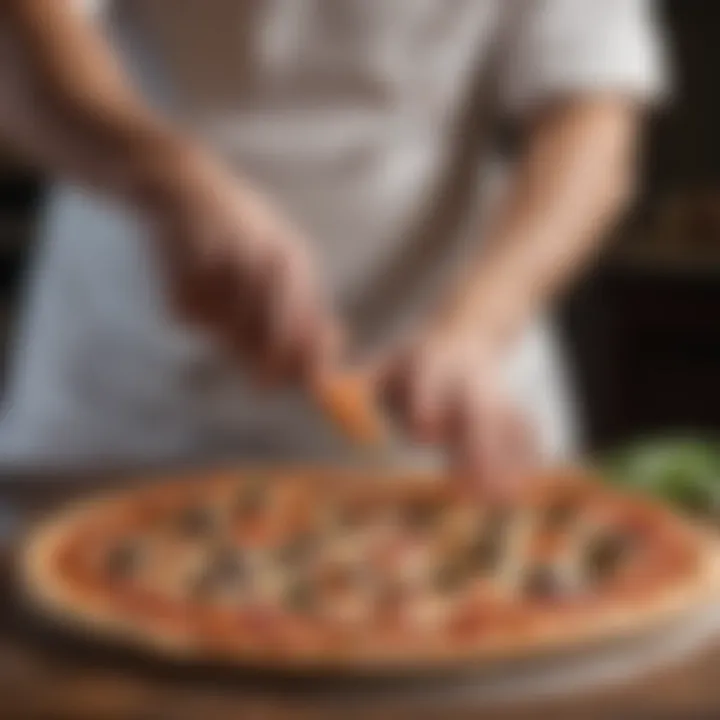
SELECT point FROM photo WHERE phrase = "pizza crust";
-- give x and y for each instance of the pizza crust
(82, 610)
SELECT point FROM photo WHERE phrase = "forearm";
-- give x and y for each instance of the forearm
(576, 177)
(66, 106)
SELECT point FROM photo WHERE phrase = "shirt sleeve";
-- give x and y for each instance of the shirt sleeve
(566, 47)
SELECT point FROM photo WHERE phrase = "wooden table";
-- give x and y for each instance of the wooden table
(44, 675)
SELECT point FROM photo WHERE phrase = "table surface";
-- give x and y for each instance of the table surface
(45, 675)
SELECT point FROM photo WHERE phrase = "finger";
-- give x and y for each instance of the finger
(522, 449)
(241, 305)
(186, 291)
(425, 402)
(390, 375)
(477, 440)
(326, 352)
(515, 451)
(269, 285)
(295, 327)
(210, 257)
(228, 290)
(210, 281)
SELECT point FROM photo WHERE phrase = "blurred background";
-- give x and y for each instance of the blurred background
(642, 326)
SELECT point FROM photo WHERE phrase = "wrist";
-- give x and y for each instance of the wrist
(159, 170)
(489, 321)
(479, 344)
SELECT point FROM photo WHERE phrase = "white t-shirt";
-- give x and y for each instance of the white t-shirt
(365, 120)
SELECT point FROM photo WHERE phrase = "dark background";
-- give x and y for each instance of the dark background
(642, 329)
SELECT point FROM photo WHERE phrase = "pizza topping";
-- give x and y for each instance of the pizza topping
(545, 582)
(225, 569)
(427, 612)
(352, 516)
(390, 596)
(450, 576)
(124, 559)
(299, 549)
(478, 555)
(519, 533)
(606, 552)
(486, 548)
(457, 526)
(421, 516)
(343, 591)
(253, 499)
(300, 596)
(560, 514)
(341, 577)
(453, 572)
(196, 521)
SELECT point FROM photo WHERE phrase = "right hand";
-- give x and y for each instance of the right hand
(446, 387)
(239, 270)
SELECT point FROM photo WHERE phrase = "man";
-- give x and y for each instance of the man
(186, 133)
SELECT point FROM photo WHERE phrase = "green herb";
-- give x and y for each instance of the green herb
(683, 471)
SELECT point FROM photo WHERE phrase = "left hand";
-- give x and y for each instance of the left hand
(445, 387)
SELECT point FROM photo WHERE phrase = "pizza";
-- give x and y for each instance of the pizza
(333, 570)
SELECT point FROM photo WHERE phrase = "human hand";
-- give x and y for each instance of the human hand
(445, 387)
(239, 270)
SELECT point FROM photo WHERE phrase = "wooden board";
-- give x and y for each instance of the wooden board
(45, 675)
